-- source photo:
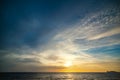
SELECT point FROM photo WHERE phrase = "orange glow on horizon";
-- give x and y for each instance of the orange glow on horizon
(85, 69)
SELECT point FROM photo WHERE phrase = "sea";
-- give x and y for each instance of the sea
(58, 76)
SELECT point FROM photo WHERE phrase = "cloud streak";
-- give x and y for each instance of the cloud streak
(106, 34)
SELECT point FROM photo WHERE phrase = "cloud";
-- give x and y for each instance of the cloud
(106, 34)
(98, 25)
(53, 57)
(28, 60)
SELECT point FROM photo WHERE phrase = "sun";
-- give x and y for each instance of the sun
(68, 64)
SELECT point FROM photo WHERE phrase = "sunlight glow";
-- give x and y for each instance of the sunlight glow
(68, 64)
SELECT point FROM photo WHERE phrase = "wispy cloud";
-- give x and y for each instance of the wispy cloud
(88, 30)
(106, 34)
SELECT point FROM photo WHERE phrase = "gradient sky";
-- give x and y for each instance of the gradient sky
(45, 35)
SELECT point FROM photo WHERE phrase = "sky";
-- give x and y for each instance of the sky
(59, 35)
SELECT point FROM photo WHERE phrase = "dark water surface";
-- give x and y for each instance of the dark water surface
(59, 76)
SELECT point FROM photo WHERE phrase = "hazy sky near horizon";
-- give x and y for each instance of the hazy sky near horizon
(47, 35)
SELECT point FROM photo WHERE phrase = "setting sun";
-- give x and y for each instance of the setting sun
(68, 64)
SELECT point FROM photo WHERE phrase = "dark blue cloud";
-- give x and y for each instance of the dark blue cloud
(13, 12)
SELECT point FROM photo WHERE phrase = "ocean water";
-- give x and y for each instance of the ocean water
(59, 76)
